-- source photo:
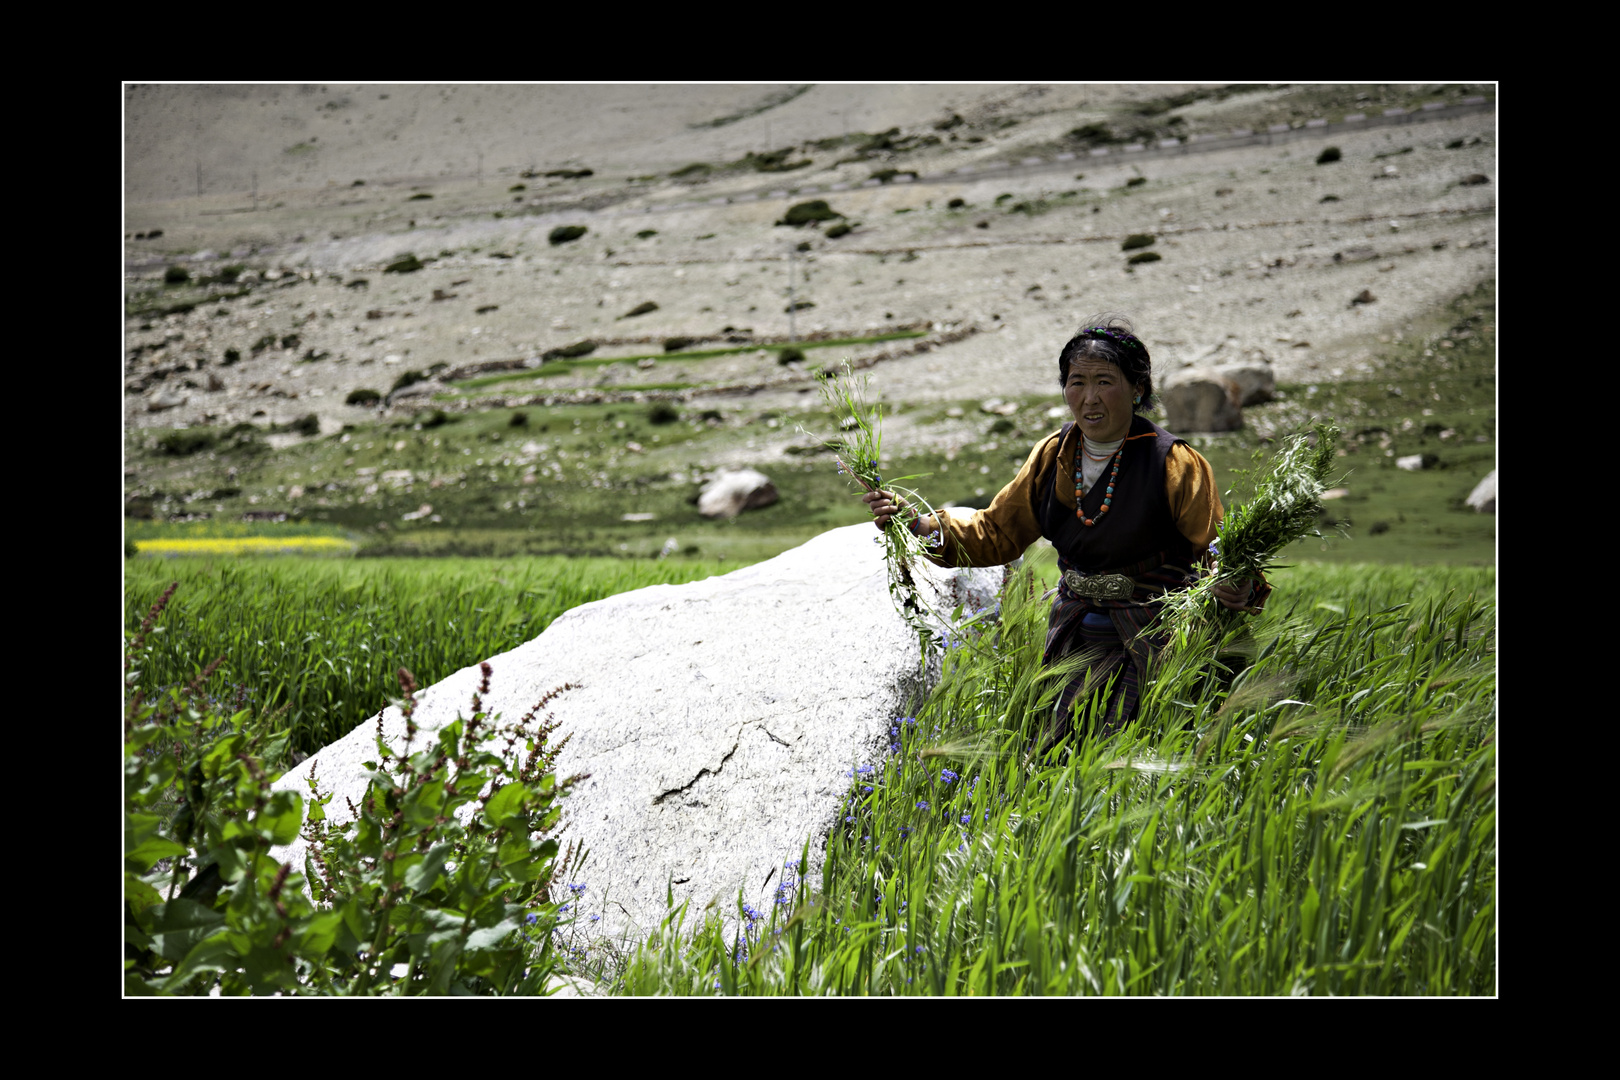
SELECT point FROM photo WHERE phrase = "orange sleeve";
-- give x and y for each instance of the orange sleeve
(1189, 484)
(999, 533)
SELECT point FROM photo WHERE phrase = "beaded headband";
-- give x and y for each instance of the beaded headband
(1123, 338)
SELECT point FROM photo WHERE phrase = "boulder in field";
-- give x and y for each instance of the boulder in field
(719, 721)
(1202, 399)
(1483, 497)
(1257, 382)
(730, 493)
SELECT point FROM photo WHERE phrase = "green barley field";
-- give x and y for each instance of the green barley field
(1313, 814)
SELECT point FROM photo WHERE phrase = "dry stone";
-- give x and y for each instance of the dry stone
(718, 720)
(1257, 382)
(1202, 399)
(729, 493)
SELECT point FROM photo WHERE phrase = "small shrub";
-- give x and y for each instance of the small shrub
(675, 344)
(1144, 257)
(1136, 181)
(808, 213)
(229, 274)
(569, 352)
(835, 231)
(1329, 198)
(798, 305)
(562, 234)
(419, 196)
(231, 356)
(645, 233)
(956, 204)
(696, 169)
(264, 343)
(805, 246)
(1474, 178)
(358, 283)
(308, 424)
(663, 413)
(187, 442)
(571, 174)
(290, 341)
(1329, 155)
(640, 309)
(1138, 240)
(1379, 528)
(130, 550)
(518, 419)
(886, 176)
(405, 264)
(176, 275)
(362, 396)
(407, 378)
(1003, 197)
(432, 418)
(790, 355)
(518, 187)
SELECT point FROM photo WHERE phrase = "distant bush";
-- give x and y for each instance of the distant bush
(663, 413)
(518, 187)
(231, 357)
(518, 419)
(1138, 240)
(264, 343)
(309, 424)
(1328, 198)
(1136, 181)
(1330, 154)
(640, 309)
(1003, 197)
(835, 231)
(407, 378)
(290, 341)
(805, 246)
(790, 355)
(1144, 257)
(432, 418)
(568, 352)
(799, 305)
(956, 204)
(405, 264)
(697, 168)
(571, 174)
(419, 196)
(675, 344)
(187, 442)
(807, 213)
(362, 396)
(562, 234)
(886, 176)
(176, 275)
(645, 233)
(229, 274)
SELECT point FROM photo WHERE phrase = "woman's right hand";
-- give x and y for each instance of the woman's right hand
(884, 506)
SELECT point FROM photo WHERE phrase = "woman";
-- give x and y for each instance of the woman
(1130, 508)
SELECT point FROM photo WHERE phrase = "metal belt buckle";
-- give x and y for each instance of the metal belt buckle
(1099, 586)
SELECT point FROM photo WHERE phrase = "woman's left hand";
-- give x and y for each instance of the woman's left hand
(1236, 595)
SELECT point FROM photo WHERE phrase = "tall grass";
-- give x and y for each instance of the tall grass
(1313, 815)
(322, 638)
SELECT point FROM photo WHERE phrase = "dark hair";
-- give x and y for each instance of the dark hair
(1110, 337)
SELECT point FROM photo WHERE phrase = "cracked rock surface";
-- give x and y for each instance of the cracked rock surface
(717, 720)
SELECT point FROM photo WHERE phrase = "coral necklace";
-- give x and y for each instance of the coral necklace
(1079, 484)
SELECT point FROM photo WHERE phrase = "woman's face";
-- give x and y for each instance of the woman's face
(1099, 396)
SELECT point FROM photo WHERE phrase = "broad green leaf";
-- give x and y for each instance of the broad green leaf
(145, 856)
(506, 804)
(421, 876)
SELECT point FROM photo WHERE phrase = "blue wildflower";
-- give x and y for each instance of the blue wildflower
(947, 776)
(531, 919)
(596, 918)
(966, 818)
(922, 804)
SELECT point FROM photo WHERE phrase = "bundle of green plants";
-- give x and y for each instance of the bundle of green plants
(438, 882)
(1322, 823)
(858, 452)
(317, 640)
(1286, 507)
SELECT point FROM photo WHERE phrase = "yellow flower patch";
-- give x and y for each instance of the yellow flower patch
(247, 545)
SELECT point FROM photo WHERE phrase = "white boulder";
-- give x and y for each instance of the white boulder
(718, 721)
(1483, 497)
(729, 493)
